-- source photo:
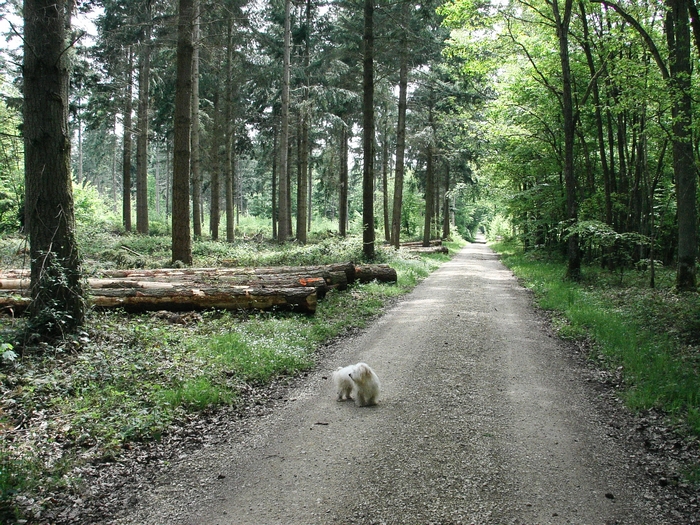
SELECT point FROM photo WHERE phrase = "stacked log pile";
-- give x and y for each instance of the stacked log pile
(417, 247)
(296, 288)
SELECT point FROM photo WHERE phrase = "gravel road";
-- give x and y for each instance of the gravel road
(484, 418)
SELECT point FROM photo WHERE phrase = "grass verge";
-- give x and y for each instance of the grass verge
(649, 336)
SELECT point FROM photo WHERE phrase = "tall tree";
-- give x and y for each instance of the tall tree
(215, 168)
(283, 229)
(680, 69)
(678, 75)
(182, 241)
(400, 129)
(303, 180)
(127, 142)
(57, 290)
(143, 123)
(344, 182)
(194, 134)
(562, 19)
(368, 132)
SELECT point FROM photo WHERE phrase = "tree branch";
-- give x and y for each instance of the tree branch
(642, 32)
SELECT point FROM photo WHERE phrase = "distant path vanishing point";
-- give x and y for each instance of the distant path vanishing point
(484, 418)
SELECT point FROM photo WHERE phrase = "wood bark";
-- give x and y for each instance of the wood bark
(177, 298)
(562, 20)
(229, 128)
(344, 182)
(195, 160)
(368, 133)
(181, 237)
(126, 155)
(382, 273)
(304, 117)
(400, 131)
(680, 67)
(215, 184)
(283, 231)
(295, 288)
(142, 136)
(57, 292)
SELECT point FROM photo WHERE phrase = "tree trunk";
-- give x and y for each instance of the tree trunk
(429, 193)
(368, 133)
(194, 136)
(274, 182)
(598, 116)
(385, 182)
(283, 232)
(400, 132)
(344, 182)
(562, 21)
(230, 140)
(446, 204)
(126, 157)
(303, 181)
(142, 137)
(678, 35)
(57, 292)
(182, 241)
(215, 184)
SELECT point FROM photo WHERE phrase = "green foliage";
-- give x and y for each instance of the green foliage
(16, 476)
(649, 336)
(197, 394)
(60, 300)
(11, 169)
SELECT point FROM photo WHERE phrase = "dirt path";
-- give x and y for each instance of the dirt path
(484, 418)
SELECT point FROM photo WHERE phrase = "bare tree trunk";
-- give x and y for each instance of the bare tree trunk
(57, 290)
(400, 132)
(126, 157)
(182, 241)
(344, 181)
(303, 181)
(562, 21)
(678, 35)
(114, 164)
(274, 184)
(215, 186)
(429, 195)
(368, 133)
(229, 133)
(283, 232)
(446, 203)
(385, 182)
(142, 138)
(194, 138)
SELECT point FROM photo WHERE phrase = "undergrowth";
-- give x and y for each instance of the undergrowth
(130, 378)
(651, 336)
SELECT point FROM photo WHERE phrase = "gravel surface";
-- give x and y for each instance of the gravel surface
(484, 418)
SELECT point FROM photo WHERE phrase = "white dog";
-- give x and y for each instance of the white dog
(357, 382)
(343, 382)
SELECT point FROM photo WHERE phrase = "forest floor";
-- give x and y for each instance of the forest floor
(485, 417)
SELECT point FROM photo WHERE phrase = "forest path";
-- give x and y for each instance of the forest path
(484, 418)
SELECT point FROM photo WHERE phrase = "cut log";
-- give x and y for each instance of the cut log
(290, 288)
(297, 299)
(382, 273)
(428, 249)
(408, 244)
(181, 296)
(330, 272)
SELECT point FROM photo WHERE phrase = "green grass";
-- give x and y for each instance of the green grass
(651, 336)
